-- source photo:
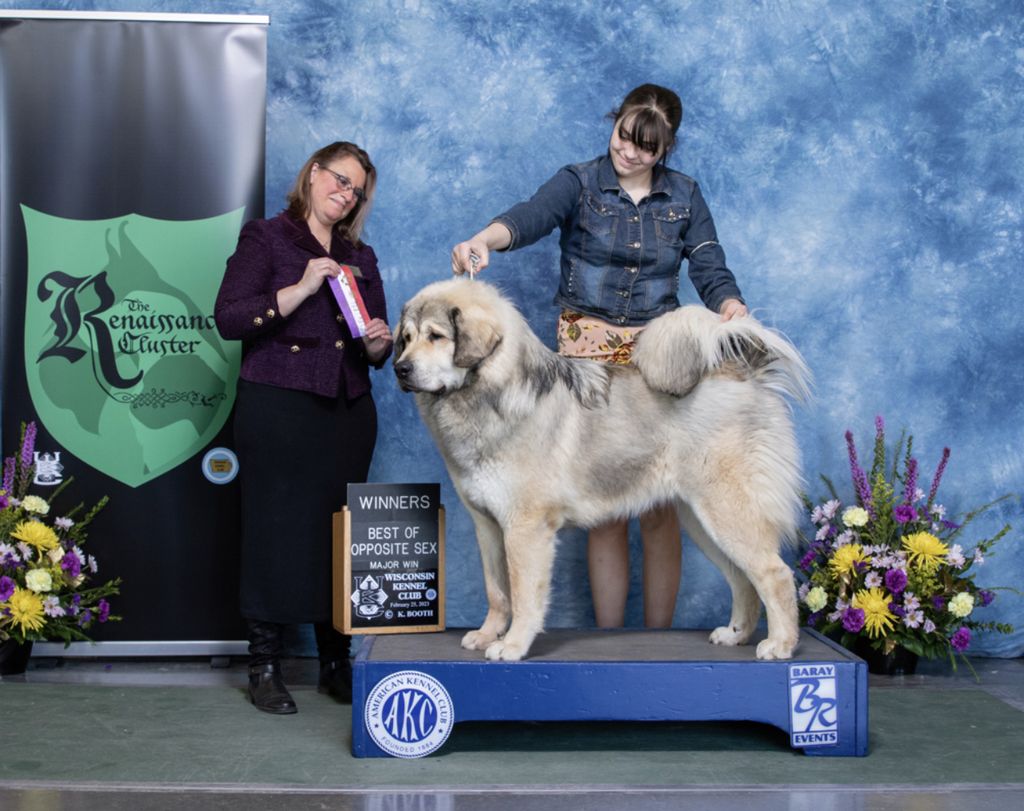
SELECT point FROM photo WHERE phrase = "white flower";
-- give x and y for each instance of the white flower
(802, 591)
(38, 580)
(52, 608)
(816, 599)
(911, 601)
(938, 511)
(77, 581)
(25, 549)
(34, 504)
(979, 558)
(855, 516)
(56, 555)
(843, 538)
(6, 549)
(918, 494)
(822, 532)
(955, 556)
(913, 619)
(961, 605)
(63, 523)
(873, 580)
(92, 565)
(929, 626)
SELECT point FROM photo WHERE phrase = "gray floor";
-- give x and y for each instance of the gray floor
(1003, 679)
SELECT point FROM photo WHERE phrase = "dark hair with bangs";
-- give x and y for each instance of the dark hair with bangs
(654, 114)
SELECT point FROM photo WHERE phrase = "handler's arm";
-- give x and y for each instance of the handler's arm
(524, 223)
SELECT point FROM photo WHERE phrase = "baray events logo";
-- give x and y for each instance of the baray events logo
(124, 363)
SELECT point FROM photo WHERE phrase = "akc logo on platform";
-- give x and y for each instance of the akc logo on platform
(813, 705)
(409, 714)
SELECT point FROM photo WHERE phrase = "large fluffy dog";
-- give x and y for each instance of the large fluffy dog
(534, 441)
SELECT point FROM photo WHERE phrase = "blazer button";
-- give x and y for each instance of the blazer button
(339, 318)
(271, 313)
(258, 321)
(294, 349)
(339, 344)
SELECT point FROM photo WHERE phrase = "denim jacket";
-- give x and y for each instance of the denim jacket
(620, 261)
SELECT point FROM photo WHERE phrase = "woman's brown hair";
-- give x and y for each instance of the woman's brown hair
(654, 115)
(299, 198)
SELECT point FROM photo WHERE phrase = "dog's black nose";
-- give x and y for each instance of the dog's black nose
(403, 369)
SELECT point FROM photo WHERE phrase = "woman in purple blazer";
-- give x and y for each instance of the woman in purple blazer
(305, 420)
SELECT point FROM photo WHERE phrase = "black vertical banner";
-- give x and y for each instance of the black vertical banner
(131, 152)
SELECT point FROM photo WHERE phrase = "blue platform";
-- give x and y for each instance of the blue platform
(410, 690)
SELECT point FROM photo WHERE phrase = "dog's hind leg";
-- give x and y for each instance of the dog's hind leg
(492, 554)
(746, 606)
(751, 545)
(530, 547)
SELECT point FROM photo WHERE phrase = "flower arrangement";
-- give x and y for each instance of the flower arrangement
(44, 572)
(888, 569)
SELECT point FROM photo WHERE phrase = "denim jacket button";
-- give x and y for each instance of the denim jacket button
(631, 269)
(634, 244)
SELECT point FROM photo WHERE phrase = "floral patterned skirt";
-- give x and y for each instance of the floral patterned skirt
(584, 336)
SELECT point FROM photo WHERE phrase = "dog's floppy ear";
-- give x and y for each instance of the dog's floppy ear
(399, 337)
(475, 338)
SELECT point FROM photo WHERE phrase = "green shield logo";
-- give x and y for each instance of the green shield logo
(124, 363)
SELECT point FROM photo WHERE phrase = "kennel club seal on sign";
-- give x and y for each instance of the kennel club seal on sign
(409, 714)
(123, 360)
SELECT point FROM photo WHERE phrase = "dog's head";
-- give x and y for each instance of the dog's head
(446, 330)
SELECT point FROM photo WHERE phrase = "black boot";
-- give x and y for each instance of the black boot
(266, 688)
(267, 691)
(335, 665)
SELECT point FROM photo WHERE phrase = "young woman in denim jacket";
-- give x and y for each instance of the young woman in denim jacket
(627, 221)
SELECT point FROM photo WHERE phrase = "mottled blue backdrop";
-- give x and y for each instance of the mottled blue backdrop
(864, 163)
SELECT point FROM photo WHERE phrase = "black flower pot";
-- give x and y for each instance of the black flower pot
(900, 662)
(14, 657)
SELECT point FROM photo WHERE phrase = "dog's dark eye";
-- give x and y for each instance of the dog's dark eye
(435, 336)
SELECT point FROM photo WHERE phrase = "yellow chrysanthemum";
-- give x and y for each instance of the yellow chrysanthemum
(26, 610)
(846, 557)
(37, 534)
(875, 604)
(925, 550)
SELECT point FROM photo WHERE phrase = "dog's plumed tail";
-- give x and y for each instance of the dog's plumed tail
(678, 349)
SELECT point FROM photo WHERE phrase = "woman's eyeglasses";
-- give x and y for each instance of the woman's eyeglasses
(345, 185)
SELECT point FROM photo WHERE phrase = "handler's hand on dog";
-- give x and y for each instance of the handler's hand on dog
(732, 308)
(463, 253)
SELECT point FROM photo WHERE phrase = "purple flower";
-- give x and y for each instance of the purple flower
(860, 478)
(939, 602)
(961, 639)
(910, 488)
(9, 474)
(897, 609)
(808, 559)
(896, 580)
(904, 514)
(104, 610)
(6, 588)
(28, 446)
(985, 597)
(86, 618)
(812, 619)
(853, 619)
(71, 564)
(4, 501)
(938, 476)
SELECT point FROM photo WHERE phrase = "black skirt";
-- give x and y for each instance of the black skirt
(297, 451)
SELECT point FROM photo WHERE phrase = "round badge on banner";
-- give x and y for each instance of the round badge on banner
(409, 714)
(220, 465)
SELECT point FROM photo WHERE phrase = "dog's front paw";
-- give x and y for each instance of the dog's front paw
(773, 649)
(477, 640)
(504, 651)
(728, 635)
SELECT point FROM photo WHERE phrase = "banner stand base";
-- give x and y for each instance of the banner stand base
(409, 691)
